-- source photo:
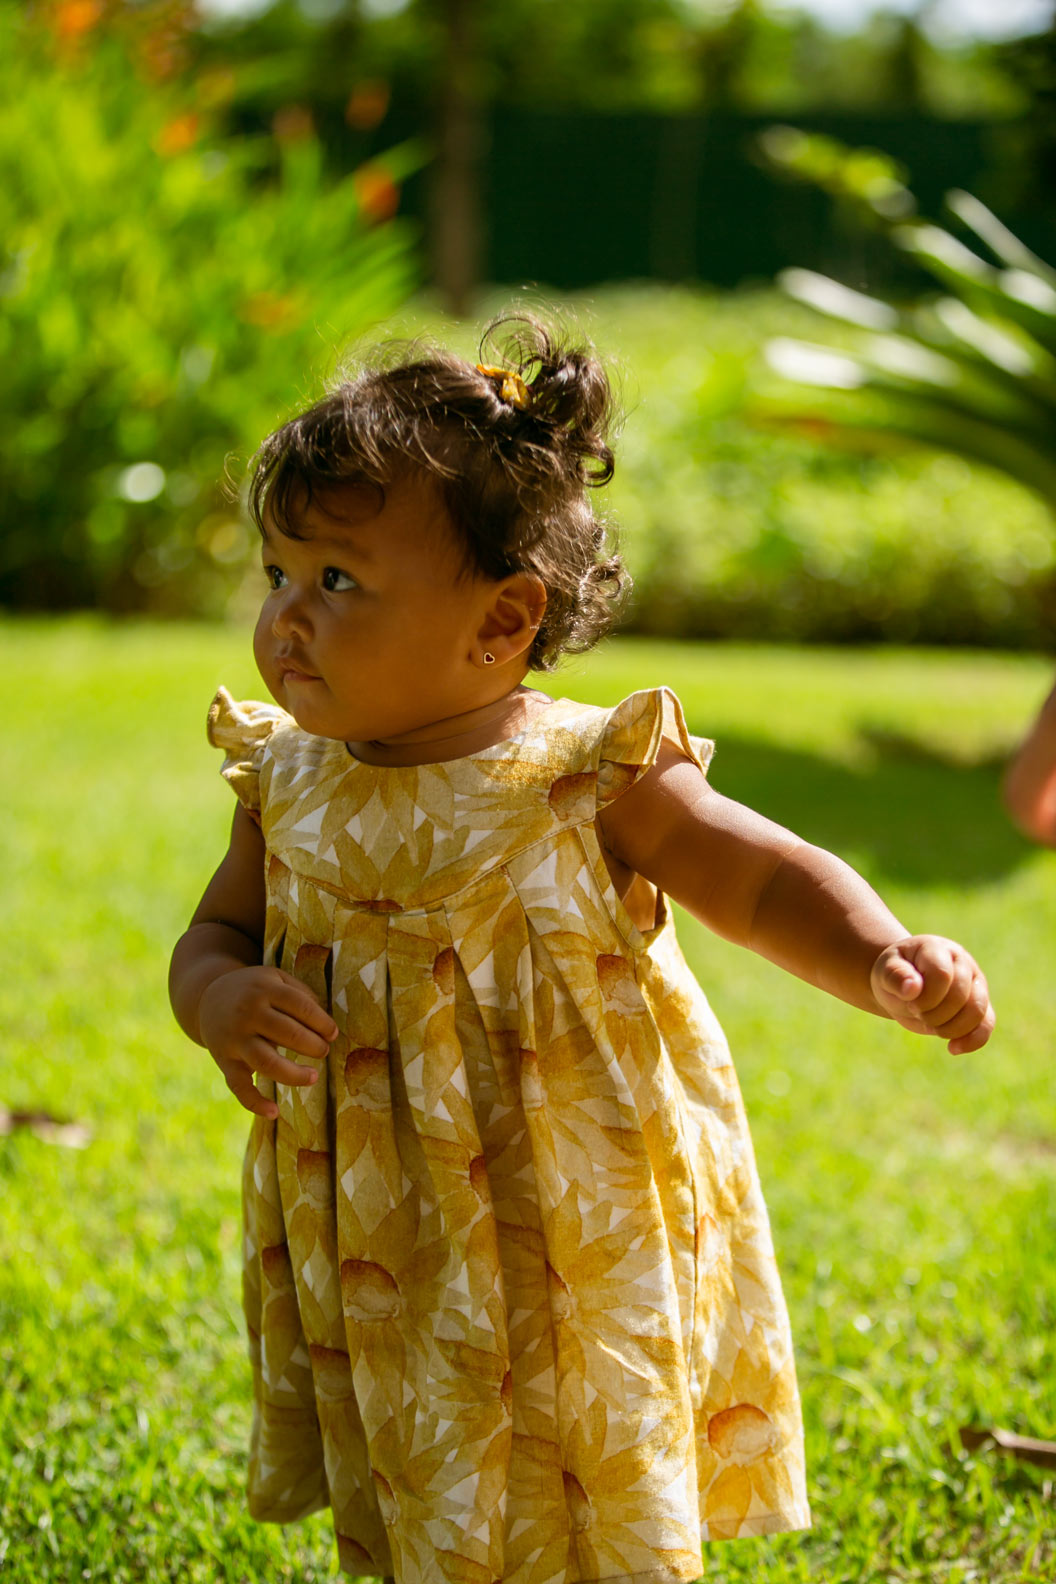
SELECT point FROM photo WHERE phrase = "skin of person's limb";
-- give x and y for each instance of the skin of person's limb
(757, 884)
(226, 1000)
(1029, 787)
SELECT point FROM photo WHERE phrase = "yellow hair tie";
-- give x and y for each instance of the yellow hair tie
(512, 390)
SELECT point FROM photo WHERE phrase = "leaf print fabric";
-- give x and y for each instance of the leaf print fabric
(511, 1295)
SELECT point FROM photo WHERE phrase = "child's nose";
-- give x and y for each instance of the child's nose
(289, 617)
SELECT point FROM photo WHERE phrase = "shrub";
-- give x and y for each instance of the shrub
(164, 297)
(969, 368)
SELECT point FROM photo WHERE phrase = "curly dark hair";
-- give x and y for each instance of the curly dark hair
(511, 457)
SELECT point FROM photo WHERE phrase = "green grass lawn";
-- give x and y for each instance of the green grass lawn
(913, 1195)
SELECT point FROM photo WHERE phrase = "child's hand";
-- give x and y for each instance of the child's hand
(933, 986)
(246, 1014)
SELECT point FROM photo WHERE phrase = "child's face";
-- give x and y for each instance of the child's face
(367, 631)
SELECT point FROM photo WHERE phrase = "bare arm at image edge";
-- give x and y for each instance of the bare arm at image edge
(1029, 788)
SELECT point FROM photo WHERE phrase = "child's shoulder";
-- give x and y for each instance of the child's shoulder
(621, 741)
(637, 724)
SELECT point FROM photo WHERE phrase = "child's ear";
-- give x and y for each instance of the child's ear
(511, 620)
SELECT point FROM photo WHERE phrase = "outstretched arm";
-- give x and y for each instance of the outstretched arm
(222, 995)
(1030, 781)
(759, 885)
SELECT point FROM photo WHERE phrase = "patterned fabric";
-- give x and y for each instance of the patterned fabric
(511, 1295)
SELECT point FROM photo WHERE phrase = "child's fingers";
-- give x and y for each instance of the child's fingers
(937, 965)
(239, 1080)
(294, 997)
(975, 1016)
(938, 1009)
(933, 986)
(899, 978)
(955, 1028)
(279, 1027)
(264, 1058)
(977, 1038)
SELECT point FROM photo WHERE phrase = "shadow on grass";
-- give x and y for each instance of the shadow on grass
(923, 816)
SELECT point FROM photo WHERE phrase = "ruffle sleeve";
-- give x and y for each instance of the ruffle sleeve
(632, 738)
(242, 731)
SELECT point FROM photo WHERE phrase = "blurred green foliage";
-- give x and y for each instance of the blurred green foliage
(162, 303)
(970, 368)
(663, 56)
(170, 288)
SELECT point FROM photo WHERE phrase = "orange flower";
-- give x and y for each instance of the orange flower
(178, 135)
(378, 194)
(76, 17)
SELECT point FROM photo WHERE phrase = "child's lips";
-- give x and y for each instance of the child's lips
(291, 672)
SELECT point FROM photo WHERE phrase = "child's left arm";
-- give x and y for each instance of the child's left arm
(759, 885)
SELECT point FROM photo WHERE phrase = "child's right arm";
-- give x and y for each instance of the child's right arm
(224, 997)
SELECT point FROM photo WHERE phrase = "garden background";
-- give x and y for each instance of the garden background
(202, 218)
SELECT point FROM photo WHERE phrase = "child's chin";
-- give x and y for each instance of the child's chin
(316, 728)
(317, 722)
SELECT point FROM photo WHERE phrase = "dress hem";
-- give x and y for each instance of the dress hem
(790, 1522)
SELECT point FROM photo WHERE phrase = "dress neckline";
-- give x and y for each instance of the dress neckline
(493, 750)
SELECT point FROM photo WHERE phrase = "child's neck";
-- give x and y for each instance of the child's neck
(458, 735)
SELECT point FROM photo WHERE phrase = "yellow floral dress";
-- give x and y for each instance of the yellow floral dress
(511, 1294)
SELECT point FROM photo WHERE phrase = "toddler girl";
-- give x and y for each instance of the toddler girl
(512, 1301)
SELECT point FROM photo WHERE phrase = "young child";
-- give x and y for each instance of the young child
(512, 1301)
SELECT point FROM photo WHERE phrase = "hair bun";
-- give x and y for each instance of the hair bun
(569, 391)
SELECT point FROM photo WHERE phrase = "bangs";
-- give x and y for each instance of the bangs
(314, 456)
(284, 494)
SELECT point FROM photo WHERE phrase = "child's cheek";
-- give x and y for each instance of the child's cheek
(264, 652)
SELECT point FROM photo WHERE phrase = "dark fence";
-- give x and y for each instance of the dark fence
(571, 200)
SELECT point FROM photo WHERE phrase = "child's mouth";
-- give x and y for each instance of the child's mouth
(290, 673)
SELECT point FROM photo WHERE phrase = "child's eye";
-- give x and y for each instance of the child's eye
(275, 575)
(337, 582)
